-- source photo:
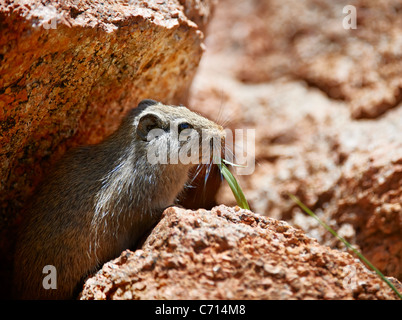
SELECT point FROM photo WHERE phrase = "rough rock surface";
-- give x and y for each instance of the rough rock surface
(274, 73)
(367, 206)
(307, 40)
(70, 70)
(230, 253)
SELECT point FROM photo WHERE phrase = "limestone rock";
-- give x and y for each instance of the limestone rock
(230, 253)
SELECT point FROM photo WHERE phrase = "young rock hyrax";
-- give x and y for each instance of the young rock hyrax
(100, 199)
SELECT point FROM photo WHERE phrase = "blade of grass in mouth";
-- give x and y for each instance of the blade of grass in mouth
(234, 186)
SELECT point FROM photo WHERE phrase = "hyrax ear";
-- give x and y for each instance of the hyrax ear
(147, 123)
(147, 102)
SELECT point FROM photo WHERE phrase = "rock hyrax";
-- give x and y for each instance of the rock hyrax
(100, 199)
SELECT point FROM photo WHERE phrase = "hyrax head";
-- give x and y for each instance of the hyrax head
(176, 129)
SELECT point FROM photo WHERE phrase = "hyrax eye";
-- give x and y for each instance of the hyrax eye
(183, 126)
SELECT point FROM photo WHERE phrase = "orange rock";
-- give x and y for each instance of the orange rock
(251, 268)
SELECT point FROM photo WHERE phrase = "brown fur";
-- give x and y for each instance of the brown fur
(98, 201)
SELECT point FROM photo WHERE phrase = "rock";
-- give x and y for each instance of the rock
(346, 168)
(307, 40)
(70, 71)
(368, 197)
(199, 11)
(230, 253)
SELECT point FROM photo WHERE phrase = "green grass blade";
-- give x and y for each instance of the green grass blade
(233, 164)
(234, 186)
(346, 243)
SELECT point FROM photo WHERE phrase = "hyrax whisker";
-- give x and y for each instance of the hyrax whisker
(197, 172)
